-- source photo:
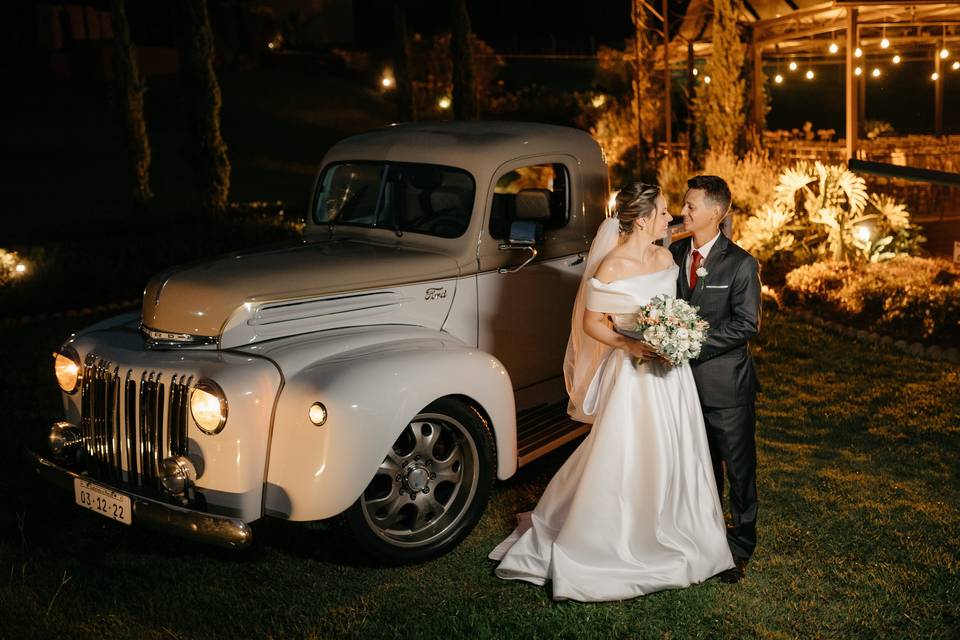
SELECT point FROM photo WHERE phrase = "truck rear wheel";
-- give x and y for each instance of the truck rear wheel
(431, 488)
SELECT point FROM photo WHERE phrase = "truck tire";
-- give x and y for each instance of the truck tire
(431, 488)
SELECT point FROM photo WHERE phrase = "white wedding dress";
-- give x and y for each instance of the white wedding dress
(635, 508)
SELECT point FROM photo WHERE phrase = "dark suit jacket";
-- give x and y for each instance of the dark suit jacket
(729, 299)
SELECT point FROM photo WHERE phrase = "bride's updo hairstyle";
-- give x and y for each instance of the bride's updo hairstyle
(635, 200)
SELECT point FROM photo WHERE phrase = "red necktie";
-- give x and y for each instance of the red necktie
(694, 265)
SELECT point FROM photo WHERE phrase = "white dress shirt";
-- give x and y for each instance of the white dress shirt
(703, 251)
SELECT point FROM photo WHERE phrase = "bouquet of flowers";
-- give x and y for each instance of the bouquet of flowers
(672, 327)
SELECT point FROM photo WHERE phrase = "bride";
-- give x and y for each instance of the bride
(635, 508)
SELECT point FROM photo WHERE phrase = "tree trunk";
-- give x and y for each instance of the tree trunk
(465, 103)
(211, 164)
(406, 106)
(130, 91)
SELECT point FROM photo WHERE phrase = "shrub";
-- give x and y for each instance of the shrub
(9, 263)
(908, 297)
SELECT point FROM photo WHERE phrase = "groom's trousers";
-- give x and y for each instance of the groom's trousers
(730, 432)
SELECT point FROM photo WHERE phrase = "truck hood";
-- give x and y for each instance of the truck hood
(295, 289)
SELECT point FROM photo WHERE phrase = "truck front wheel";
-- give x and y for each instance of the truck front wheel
(431, 487)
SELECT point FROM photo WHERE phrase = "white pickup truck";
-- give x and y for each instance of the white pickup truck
(385, 369)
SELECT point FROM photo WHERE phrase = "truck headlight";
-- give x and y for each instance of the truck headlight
(208, 406)
(66, 366)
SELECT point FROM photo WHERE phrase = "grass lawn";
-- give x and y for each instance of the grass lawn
(859, 532)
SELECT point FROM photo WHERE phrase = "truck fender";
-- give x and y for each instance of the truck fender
(370, 396)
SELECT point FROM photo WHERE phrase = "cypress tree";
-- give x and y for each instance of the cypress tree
(406, 105)
(466, 105)
(719, 103)
(130, 90)
(211, 164)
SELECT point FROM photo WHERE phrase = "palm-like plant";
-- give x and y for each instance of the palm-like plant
(833, 199)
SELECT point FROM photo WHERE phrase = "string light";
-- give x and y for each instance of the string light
(955, 65)
(944, 53)
(875, 73)
(444, 103)
(810, 74)
(857, 52)
(934, 76)
(857, 71)
(706, 79)
(896, 59)
(696, 72)
(778, 79)
(793, 66)
(884, 43)
(833, 47)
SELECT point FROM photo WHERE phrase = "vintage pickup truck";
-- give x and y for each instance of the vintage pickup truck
(385, 369)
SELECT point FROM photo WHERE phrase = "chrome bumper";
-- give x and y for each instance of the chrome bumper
(222, 531)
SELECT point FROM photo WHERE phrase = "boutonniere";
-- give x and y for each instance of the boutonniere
(701, 272)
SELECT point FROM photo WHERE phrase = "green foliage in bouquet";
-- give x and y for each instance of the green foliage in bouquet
(908, 297)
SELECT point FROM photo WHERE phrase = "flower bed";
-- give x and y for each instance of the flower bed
(906, 297)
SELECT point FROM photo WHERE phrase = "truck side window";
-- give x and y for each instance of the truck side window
(551, 180)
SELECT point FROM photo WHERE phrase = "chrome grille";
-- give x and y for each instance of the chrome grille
(131, 420)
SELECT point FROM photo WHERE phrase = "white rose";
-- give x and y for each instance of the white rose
(701, 272)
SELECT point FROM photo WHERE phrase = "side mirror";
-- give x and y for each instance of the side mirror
(524, 236)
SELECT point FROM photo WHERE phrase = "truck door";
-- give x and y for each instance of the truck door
(524, 316)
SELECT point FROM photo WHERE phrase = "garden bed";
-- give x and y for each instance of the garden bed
(910, 298)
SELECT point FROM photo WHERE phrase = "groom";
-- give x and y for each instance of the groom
(723, 280)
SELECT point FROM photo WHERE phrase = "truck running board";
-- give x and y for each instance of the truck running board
(543, 428)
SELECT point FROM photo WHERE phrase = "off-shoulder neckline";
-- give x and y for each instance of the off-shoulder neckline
(641, 275)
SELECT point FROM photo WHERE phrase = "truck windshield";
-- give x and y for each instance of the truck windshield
(415, 198)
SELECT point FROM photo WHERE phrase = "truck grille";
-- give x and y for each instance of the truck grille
(131, 420)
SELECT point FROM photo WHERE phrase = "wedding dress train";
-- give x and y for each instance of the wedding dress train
(635, 508)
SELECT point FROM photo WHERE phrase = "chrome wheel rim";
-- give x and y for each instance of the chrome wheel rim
(425, 484)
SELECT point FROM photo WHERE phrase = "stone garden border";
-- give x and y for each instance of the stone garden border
(915, 349)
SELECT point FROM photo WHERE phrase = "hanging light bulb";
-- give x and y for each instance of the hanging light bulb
(955, 65)
(706, 79)
(857, 52)
(934, 76)
(778, 79)
(896, 59)
(876, 72)
(833, 47)
(944, 53)
(793, 66)
(884, 43)
(857, 71)
(696, 72)
(809, 74)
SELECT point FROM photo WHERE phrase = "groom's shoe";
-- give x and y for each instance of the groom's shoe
(735, 574)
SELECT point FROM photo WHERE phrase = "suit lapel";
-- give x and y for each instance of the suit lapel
(683, 278)
(713, 260)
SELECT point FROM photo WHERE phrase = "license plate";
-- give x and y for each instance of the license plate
(104, 501)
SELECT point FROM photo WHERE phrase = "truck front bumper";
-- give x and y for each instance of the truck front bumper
(222, 531)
